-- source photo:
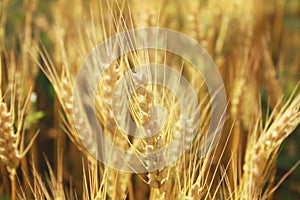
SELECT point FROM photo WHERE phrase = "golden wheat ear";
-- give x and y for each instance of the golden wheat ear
(9, 153)
(11, 144)
(12, 119)
(262, 151)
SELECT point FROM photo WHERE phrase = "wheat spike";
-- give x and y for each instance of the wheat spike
(144, 100)
(259, 156)
(111, 130)
(9, 153)
(66, 98)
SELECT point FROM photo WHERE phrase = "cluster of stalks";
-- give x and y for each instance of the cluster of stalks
(42, 48)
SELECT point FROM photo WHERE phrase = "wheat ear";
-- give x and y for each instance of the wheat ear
(144, 100)
(10, 153)
(117, 181)
(261, 153)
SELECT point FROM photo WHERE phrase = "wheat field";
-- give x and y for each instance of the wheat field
(49, 148)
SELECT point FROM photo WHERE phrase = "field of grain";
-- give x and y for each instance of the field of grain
(49, 148)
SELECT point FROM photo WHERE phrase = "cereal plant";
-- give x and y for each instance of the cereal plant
(115, 99)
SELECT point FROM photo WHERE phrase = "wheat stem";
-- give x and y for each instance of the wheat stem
(12, 176)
